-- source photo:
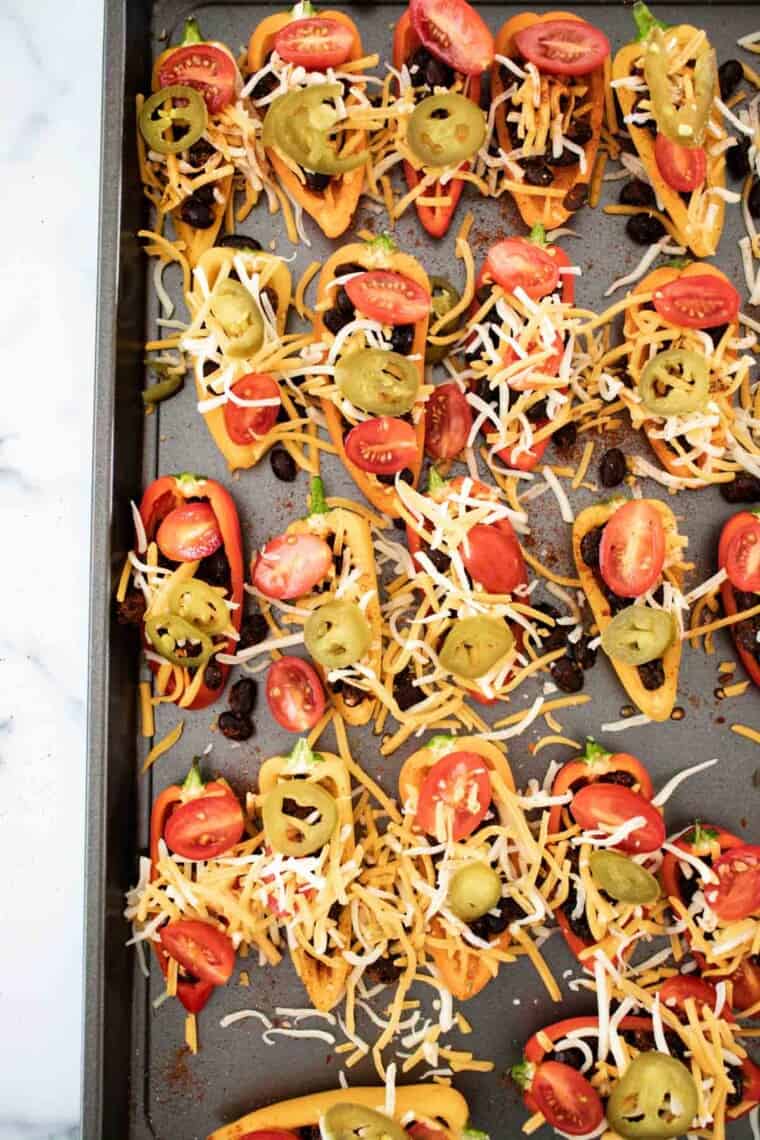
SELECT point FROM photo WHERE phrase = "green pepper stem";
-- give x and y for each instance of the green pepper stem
(303, 9)
(317, 501)
(678, 262)
(302, 755)
(193, 780)
(192, 34)
(645, 20)
(435, 480)
(593, 751)
(189, 478)
(700, 834)
(384, 242)
(522, 1074)
(538, 235)
(474, 1134)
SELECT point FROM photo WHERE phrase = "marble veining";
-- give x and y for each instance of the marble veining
(50, 94)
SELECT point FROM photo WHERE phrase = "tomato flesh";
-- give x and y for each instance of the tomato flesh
(743, 556)
(569, 1102)
(246, 424)
(737, 893)
(563, 47)
(675, 992)
(448, 422)
(453, 31)
(206, 952)
(189, 532)
(459, 781)
(701, 301)
(609, 806)
(295, 695)
(684, 168)
(422, 1131)
(291, 565)
(518, 263)
(632, 549)
(388, 297)
(492, 557)
(382, 446)
(205, 826)
(207, 68)
(315, 43)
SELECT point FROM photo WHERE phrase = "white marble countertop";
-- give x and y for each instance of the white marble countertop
(50, 92)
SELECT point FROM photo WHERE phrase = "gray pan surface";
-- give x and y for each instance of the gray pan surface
(139, 1079)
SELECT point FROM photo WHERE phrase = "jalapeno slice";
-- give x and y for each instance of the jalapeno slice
(474, 890)
(196, 602)
(379, 382)
(337, 634)
(474, 645)
(240, 317)
(675, 382)
(445, 130)
(289, 833)
(638, 634)
(301, 124)
(355, 1122)
(169, 633)
(655, 1099)
(686, 124)
(622, 878)
(172, 108)
(443, 298)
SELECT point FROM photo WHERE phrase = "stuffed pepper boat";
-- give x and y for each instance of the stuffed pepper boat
(739, 557)
(548, 81)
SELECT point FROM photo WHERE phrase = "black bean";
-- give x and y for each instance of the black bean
(590, 546)
(623, 779)
(215, 569)
(677, 1046)
(239, 241)
(489, 925)
(737, 159)
(407, 694)
(753, 200)
(615, 602)
(213, 676)
(440, 560)
(197, 214)
(316, 182)
(253, 630)
(639, 1038)
(234, 726)
(687, 888)
(552, 636)
(745, 634)
(565, 436)
(429, 70)
(582, 653)
(312, 1131)
(736, 1077)
(536, 412)
(576, 196)
(644, 229)
(383, 971)
(580, 132)
(402, 339)
(566, 675)
(265, 86)
(652, 675)
(612, 468)
(579, 926)
(406, 476)
(242, 697)
(200, 152)
(745, 488)
(344, 304)
(565, 157)
(204, 195)
(283, 464)
(210, 367)
(334, 320)
(717, 332)
(349, 267)
(730, 75)
(537, 173)
(572, 1057)
(483, 293)
(637, 192)
(352, 696)
(132, 610)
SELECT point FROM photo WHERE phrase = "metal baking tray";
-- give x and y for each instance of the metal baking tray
(139, 1080)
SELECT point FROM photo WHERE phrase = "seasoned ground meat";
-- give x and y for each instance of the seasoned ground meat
(132, 610)
(652, 675)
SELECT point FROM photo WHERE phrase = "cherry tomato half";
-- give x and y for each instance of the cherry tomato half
(205, 826)
(382, 446)
(569, 1102)
(675, 992)
(246, 424)
(270, 1134)
(517, 262)
(737, 893)
(209, 69)
(452, 782)
(206, 952)
(291, 565)
(612, 805)
(632, 550)
(684, 168)
(448, 421)
(492, 557)
(701, 301)
(453, 31)
(563, 47)
(189, 532)
(315, 43)
(390, 298)
(743, 556)
(295, 695)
